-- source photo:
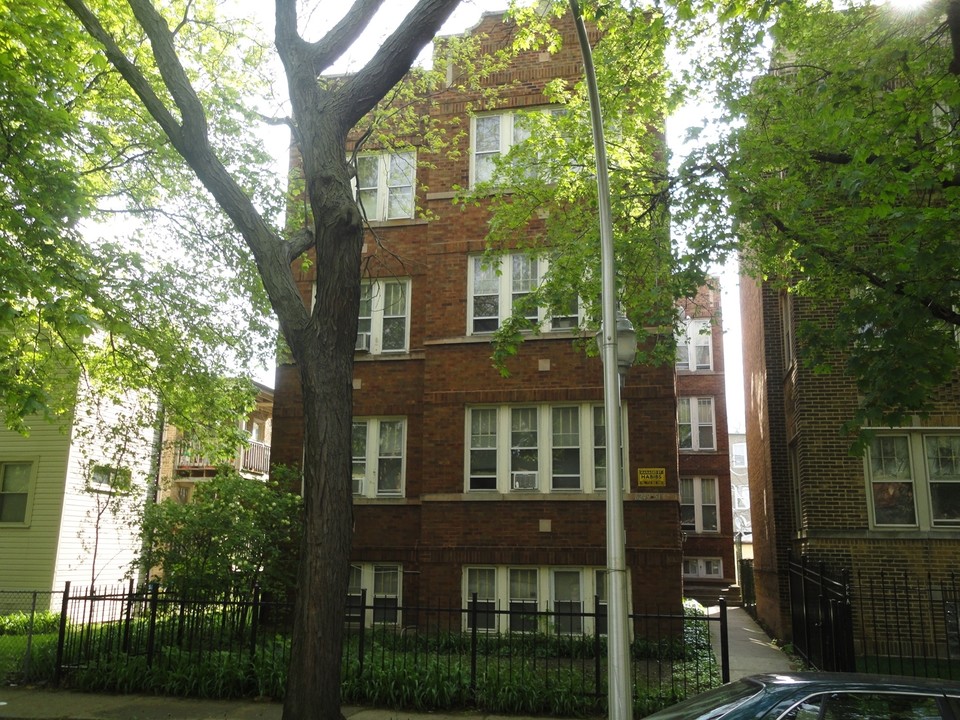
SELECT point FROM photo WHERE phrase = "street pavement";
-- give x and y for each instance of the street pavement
(751, 652)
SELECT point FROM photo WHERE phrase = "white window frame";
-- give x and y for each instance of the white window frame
(511, 133)
(702, 415)
(378, 313)
(738, 450)
(377, 289)
(697, 333)
(370, 478)
(592, 585)
(497, 441)
(385, 160)
(741, 497)
(699, 525)
(916, 473)
(702, 567)
(7, 493)
(500, 272)
(368, 573)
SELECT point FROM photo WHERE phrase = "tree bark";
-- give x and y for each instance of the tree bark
(321, 341)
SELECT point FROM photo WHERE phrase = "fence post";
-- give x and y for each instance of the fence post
(254, 621)
(61, 638)
(597, 650)
(128, 618)
(152, 630)
(724, 644)
(33, 615)
(473, 646)
(363, 631)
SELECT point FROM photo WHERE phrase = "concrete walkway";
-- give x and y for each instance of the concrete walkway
(751, 652)
(751, 649)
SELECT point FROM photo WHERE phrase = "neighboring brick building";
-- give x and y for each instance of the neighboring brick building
(895, 509)
(466, 481)
(706, 517)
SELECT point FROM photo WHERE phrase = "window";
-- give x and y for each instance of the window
(384, 311)
(786, 329)
(386, 593)
(535, 449)
(523, 600)
(482, 582)
(738, 455)
(15, 482)
(497, 290)
(844, 705)
(695, 346)
(493, 135)
(355, 595)
(600, 593)
(914, 480)
(698, 505)
(577, 599)
(695, 423)
(385, 185)
(702, 567)
(378, 457)
(104, 478)
(741, 497)
(567, 601)
(383, 604)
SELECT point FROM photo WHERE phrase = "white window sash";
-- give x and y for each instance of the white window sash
(507, 288)
(370, 468)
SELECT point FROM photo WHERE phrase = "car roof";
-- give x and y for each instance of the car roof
(853, 681)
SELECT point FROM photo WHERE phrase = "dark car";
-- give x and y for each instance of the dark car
(822, 696)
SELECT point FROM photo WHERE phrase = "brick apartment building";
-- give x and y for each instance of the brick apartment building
(894, 509)
(706, 506)
(465, 481)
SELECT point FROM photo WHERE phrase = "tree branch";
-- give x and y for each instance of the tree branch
(130, 72)
(171, 70)
(335, 43)
(361, 92)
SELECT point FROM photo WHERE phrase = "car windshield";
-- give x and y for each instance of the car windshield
(712, 704)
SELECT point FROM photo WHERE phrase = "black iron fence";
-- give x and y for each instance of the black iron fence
(875, 622)
(112, 639)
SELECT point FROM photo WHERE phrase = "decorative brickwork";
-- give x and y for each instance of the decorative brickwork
(439, 525)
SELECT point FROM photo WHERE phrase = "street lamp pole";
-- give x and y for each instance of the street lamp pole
(619, 690)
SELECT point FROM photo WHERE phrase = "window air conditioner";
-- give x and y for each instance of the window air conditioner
(363, 342)
(524, 481)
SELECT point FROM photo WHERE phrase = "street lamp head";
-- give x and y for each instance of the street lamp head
(626, 344)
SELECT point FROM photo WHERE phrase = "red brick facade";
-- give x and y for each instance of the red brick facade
(438, 525)
(808, 494)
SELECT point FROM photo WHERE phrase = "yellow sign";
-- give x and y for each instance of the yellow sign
(651, 477)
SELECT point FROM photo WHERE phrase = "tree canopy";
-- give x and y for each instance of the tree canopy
(101, 237)
(839, 173)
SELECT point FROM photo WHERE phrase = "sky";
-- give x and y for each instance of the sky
(467, 15)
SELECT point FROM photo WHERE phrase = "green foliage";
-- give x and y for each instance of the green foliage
(839, 172)
(542, 179)
(103, 237)
(235, 533)
(21, 623)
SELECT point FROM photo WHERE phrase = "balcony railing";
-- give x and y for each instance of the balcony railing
(254, 458)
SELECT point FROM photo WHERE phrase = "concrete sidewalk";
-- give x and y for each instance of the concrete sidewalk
(25, 703)
(751, 652)
(751, 649)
